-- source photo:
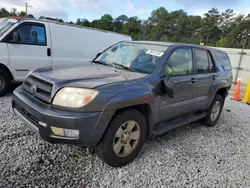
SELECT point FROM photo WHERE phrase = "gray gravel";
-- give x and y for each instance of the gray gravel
(191, 156)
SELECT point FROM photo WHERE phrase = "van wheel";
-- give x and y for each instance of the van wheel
(214, 111)
(5, 82)
(123, 139)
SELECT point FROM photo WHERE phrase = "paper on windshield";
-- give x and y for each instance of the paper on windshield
(154, 53)
(12, 20)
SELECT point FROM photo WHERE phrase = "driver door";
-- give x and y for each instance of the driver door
(179, 71)
(32, 51)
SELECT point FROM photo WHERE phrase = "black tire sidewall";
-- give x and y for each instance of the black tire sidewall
(105, 148)
(7, 80)
(208, 121)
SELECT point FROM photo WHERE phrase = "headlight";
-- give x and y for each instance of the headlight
(74, 97)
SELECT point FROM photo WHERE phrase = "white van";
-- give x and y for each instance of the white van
(27, 44)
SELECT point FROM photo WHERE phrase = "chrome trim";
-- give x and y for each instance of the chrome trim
(42, 124)
(65, 138)
(26, 121)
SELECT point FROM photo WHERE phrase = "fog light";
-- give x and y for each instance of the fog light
(57, 131)
(65, 132)
(71, 133)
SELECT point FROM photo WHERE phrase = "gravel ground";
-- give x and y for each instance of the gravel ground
(191, 156)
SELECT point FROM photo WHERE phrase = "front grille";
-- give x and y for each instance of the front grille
(39, 88)
(26, 114)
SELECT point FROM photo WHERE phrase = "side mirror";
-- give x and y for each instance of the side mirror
(167, 86)
(15, 38)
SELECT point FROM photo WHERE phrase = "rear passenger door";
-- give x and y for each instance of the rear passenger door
(205, 77)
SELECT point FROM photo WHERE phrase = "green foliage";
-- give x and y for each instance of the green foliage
(31, 16)
(215, 28)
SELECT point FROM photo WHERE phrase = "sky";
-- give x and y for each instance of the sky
(70, 10)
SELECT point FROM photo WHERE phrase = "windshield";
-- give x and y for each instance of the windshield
(135, 56)
(5, 24)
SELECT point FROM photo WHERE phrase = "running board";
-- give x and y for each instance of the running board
(164, 127)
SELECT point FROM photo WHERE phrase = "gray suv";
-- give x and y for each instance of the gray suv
(129, 92)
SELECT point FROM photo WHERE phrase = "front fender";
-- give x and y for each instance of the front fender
(134, 98)
(129, 98)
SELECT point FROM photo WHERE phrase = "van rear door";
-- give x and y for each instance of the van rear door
(31, 51)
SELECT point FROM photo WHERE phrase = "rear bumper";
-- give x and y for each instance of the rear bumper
(39, 117)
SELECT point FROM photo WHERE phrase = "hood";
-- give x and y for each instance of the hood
(88, 75)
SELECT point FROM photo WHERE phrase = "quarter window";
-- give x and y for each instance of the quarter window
(180, 62)
(224, 60)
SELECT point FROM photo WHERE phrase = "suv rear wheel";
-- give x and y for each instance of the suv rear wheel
(214, 111)
(5, 82)
(124, 138)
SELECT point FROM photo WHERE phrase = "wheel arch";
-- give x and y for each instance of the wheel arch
(223, 92)
(141, 100)
(6, 69)
(144, 109)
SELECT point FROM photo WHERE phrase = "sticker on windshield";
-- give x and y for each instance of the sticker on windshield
(12, 20)
(154, 53)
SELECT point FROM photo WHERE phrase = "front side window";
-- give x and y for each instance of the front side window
(135, 56)
(203, 62)
(180, 63)
(31, 34)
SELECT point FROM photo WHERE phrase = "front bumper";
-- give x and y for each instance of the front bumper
(39, 117)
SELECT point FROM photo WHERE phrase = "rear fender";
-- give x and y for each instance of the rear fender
(215, 89)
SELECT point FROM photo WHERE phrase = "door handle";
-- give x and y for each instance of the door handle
(214, 77)
(48, 52)
(193, 80)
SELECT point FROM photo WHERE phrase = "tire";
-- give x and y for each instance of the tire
(105, 149)
(5, 82)
(213, 116)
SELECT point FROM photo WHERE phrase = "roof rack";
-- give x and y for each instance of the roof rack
(48, 18)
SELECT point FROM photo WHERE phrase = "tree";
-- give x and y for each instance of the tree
(13, 12)
(210, 30)
(22, 13)
(78, 21)
(119, 23)
(61, 20)
(178, 31)
(224, 29)
(226, 20)
(4, 13)
(82, 22)
(122, 18)
(30, 16)
(106, 22)
(159, 20)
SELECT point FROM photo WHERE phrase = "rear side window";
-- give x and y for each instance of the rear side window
(203, 61)
(224, 60)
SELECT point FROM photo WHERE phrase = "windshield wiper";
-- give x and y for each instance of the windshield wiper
(123, 66)
(100, 62)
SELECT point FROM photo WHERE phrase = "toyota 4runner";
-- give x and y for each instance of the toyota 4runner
(129, 92)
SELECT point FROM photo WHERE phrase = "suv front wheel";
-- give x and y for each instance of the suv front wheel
(124, 138)
(214, 111)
